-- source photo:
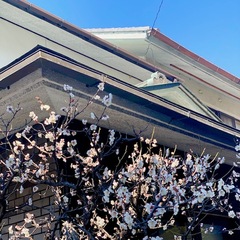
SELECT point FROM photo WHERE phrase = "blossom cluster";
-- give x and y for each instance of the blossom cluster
(102, 191)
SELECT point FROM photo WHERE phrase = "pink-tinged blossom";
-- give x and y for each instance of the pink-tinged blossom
(10, 230)
(29, 217)
(50, 136)
(18, 135)
(44, 107)
(100, 222)
(92, 152)
(33, 116)
(53, 118)
(175, 163)
(18, 146)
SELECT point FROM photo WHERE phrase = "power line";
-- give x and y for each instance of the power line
(154, 22)
(159, 9)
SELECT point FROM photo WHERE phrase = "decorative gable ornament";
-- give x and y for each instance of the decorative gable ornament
(157, 78)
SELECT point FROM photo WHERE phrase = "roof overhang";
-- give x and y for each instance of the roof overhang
(215, 87)
(160, 50)
(42, 72)
(30, 25)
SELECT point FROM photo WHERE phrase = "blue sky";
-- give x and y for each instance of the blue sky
(209, 28)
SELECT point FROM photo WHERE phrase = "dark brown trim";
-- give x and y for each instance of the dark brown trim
(155, 33)
(205, 82)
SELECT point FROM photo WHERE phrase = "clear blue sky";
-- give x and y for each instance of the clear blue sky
(209, 28)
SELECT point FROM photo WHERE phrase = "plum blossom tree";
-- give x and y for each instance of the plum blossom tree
(105, 185)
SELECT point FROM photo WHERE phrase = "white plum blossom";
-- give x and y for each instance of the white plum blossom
(176, 209)
(10, 109)
(105, 117)
(65, 199)
(50, 136)
(84, 122)
(152, 223)
(107, 100)
(67, 88)
(231, 214)
(97, 97)
(18, 135)
(106, 195)
(111, 137)
(101, 86)
(10, 230)
(237, 147)
(100, 222)
(44, 107)
(101, 184)
(71, 95)
(128, 220)
(21, 189)
(33, 116)
(10, 161)
(237, 196)
(30, 202)
(113, 213)
(74, 142)
(35, 188)
(93, 116)
(175, 163)
(53, 118)
(93, 127)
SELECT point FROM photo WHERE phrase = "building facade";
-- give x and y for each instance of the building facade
(156, 83)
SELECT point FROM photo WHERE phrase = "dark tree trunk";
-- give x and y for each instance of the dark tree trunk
(196, 233)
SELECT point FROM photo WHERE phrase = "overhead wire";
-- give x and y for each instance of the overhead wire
(153, 25)
(158, 12)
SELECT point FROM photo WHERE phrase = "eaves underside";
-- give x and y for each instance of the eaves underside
(38, 12)
(34, 57)
(80, 33)
(173, 116)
